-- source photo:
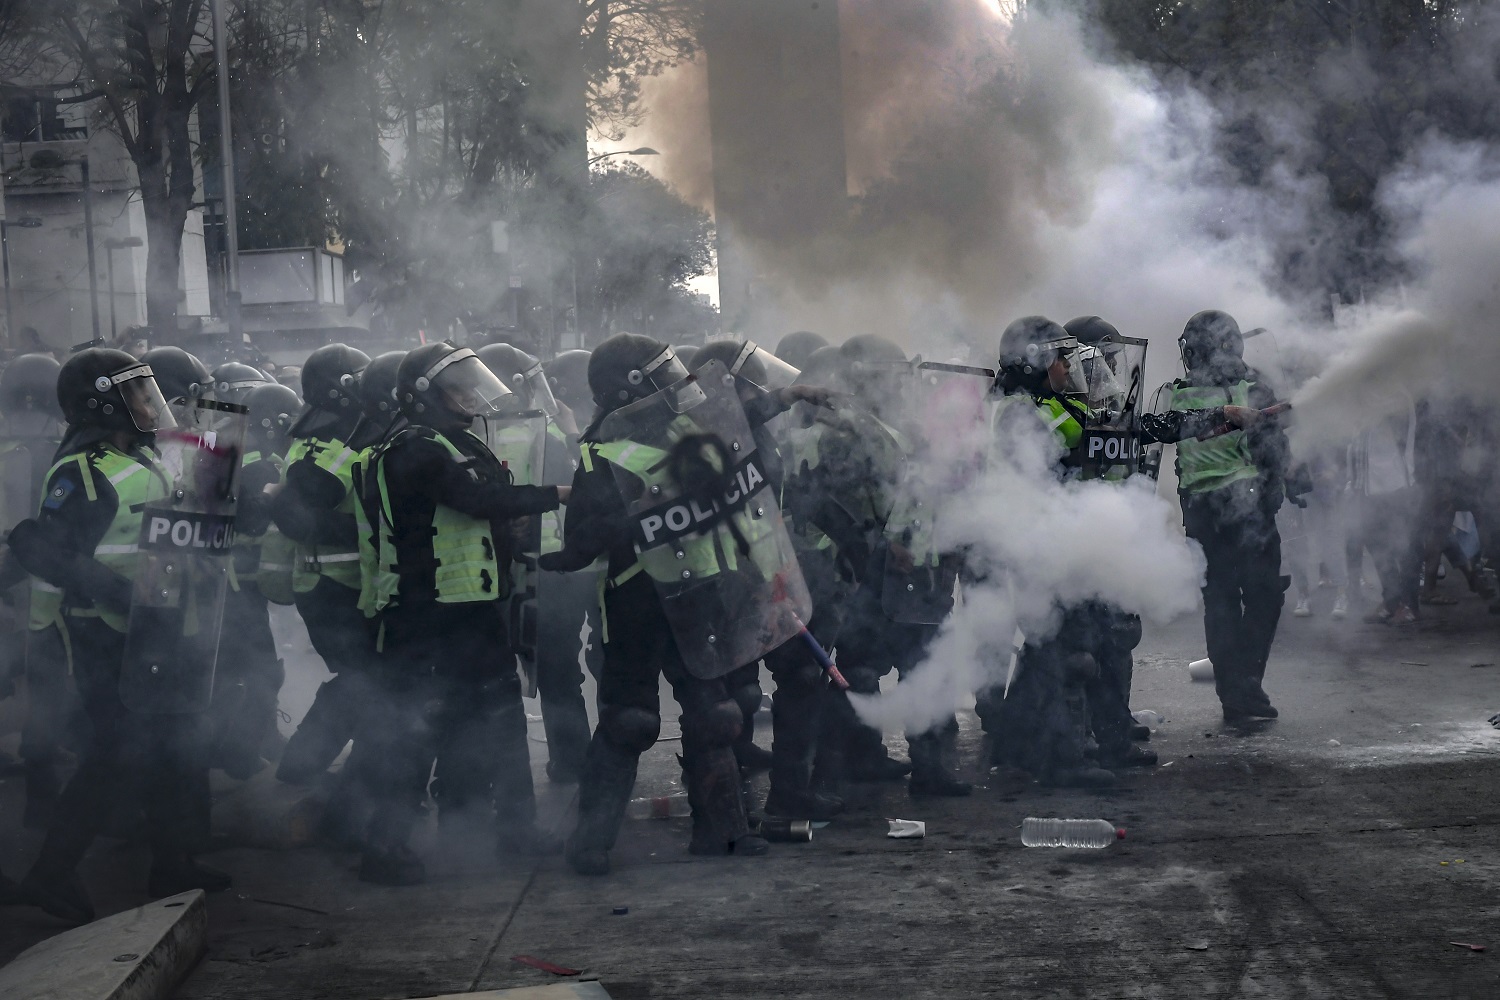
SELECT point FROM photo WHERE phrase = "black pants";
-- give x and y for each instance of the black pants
(1041, 725)
(449, 692)
(870, 646)
(54, 717)
(564, 601)
(1391, 532)
(344, 639)
(639, 651)
(158, 759)
(247, 680)
(1243, 595)
(1115, 636)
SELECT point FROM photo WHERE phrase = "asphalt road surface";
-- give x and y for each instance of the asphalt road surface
(1337, 852)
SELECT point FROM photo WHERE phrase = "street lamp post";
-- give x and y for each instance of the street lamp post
(110, 246)
(88, 226)
(25, 222)
(226, 161)
(643, 151)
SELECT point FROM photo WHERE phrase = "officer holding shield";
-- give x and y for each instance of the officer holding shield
(701, 581)
(442, 509)
(86, 542)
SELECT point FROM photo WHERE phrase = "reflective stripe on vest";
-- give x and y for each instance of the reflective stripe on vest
(465, 567)
(317, 562)
(1203, 466)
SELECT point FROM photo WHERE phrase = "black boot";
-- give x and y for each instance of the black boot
(802, 803)
(929, 777)
(604, 791)
(1125, 755)
(719, 822)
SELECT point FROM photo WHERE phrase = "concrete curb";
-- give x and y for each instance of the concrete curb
(140, 954)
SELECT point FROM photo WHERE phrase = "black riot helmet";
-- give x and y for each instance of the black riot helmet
(875, 370)
(273, 409)
(522, 373)
(377, 386)
(1030, 346)
(1091, 329)
(568, 375)
(749, 364)
(1213, 349)
(105, 388)
(330, 378)
(687, 354)
(29, 386)
(447, 387)
(796, 348)
(232, 381)
(181, 376)
(629, 366)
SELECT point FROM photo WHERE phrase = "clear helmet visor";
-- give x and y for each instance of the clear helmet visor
(1104, 387)
(468, 387)
(1065, 373)
(148, 407)
(763, 369)
(541, 390)
(663, 371)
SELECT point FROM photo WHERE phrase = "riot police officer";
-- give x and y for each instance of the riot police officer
(1231, 485)
(249, 675)
(627, 449)
(443, 510)
(83, 541)
(1042, 723)
(797, 348)
(551, 434)
(1114, 370)
(765, 385)
(316, 510)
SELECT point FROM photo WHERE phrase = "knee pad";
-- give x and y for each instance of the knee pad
(714, 724)
(1127, 631)
(748, 697)
(632, 729)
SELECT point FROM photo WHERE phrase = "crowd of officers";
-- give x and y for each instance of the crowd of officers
(444, 516)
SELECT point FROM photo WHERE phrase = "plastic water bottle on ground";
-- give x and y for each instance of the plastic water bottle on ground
(659, 806)
(1093, 833)
(1146, 717)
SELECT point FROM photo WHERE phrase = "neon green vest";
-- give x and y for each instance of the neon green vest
(1203, 466)
(316, 562)
(698, 555)
(466, 567)
(135, 485)
(274, 554)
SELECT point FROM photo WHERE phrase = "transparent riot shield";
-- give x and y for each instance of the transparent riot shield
(186, 542)
(1114, 369)
(946, 427)
(1151, 454)
(707, 525)
(518, 440)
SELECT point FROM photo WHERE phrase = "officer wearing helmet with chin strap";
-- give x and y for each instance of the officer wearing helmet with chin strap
(539, 448)
(641, 641)
(1231, 485)
(1041, 723)
(315, 509)
(442, 509)
(1116, 632)
(83, 542)
(766, 389)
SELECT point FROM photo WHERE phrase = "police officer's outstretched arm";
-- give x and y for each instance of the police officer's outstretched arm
(596, 521)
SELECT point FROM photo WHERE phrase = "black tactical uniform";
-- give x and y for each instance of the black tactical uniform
(82, 542)
(442, 511)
